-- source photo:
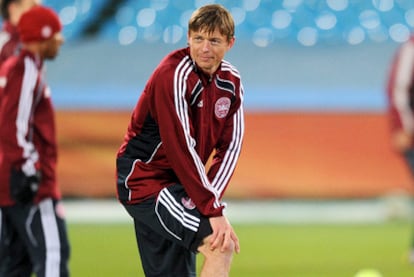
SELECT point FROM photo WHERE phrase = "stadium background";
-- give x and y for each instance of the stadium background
(314, 74)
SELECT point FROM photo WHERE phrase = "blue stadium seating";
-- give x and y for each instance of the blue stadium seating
(293, 67)
(262, 22)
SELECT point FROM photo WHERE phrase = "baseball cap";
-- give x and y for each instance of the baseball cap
(38, 24)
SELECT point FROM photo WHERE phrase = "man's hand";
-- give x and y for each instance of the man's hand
(223, 236)
(23, 188)
(401, 140)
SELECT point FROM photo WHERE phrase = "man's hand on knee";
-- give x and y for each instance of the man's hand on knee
(223, 236)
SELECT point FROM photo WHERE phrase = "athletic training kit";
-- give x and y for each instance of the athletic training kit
(32, 233)
(181, 118)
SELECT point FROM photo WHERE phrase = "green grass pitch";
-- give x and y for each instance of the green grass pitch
(300, 250)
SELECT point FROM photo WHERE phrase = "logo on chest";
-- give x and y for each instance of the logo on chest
(222, 107)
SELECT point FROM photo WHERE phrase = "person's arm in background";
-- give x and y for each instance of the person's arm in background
(400, 98)
(18, 106)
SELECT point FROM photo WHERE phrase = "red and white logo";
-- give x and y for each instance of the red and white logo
(222, 107)
(188, 203)
(46, 31)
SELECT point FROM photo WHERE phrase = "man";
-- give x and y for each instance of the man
(401, 106)
(33, 237)
(11, 11)
(190, 109)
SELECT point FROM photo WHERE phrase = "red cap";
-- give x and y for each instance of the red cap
(38, 24)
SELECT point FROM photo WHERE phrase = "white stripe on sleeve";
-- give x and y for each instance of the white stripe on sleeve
(23, 116)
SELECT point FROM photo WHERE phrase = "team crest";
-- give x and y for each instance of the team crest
(188, 203)
(222, 107)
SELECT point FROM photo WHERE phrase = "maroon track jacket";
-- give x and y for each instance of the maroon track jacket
(181, 118)
(27, 125)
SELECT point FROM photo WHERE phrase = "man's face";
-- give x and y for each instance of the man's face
(208, 49)
(50, 47)
(25, 5)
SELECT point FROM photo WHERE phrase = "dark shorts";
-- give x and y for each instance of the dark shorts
(33, 239)
(169, 230)
(409, 158)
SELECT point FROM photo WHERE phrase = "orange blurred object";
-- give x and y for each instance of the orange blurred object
(285, 155)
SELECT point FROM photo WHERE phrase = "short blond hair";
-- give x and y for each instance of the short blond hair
(211, 17)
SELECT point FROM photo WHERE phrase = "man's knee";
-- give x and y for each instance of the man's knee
(217, 253)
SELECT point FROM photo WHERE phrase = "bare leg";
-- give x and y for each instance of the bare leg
(216, 262)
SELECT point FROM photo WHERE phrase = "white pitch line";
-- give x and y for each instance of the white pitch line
(264, 211)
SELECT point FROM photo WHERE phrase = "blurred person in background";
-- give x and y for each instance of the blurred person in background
(191, 108)
(400, 89)
(11, 11)
(33, 236)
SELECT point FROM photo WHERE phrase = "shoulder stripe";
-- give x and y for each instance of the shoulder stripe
(226, 85)
(226, 66)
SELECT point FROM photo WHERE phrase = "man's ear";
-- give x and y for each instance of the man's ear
(188, 38)
(231, 42)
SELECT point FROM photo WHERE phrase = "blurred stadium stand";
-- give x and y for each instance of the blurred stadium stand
(263, 22)
(314, 73)
(328, 54)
